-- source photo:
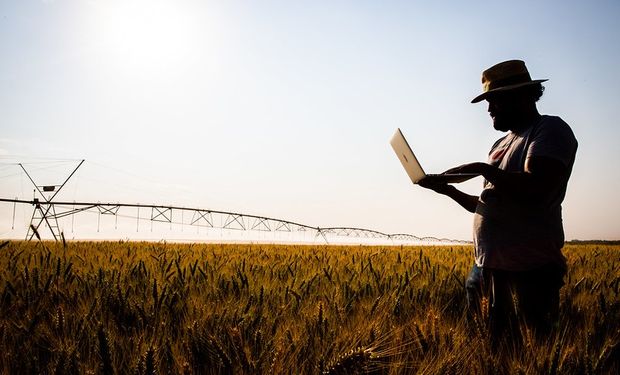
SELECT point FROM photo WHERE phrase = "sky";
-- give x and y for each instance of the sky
(285, 108)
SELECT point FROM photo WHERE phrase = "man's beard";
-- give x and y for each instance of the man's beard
(500, 125)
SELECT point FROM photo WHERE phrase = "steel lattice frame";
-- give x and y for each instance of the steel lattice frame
(52, 211)
(47, 212)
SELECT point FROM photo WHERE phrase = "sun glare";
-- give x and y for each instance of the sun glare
(146, 37)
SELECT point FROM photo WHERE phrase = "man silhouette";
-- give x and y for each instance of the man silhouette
(518, 234)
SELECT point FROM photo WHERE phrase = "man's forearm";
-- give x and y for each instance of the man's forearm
(468, 202)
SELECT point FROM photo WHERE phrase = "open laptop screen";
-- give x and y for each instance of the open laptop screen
(412, 165)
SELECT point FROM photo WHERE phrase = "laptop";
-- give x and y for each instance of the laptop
(413, 167)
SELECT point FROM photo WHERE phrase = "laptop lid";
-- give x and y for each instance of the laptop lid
(414, 169)
(406, 157)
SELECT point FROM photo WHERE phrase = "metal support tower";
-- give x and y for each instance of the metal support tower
(44, 211)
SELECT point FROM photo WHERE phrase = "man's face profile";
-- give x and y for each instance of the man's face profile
(505, 109)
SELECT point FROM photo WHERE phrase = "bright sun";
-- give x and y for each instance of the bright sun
(146, 37)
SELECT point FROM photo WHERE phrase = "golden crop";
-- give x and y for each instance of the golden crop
(146, 308)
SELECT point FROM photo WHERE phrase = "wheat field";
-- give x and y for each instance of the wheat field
(160, 308)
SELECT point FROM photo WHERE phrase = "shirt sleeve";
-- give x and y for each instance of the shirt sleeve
(554, 139)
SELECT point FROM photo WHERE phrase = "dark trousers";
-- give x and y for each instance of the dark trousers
(515, 298)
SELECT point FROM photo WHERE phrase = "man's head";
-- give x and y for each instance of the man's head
(511, 93)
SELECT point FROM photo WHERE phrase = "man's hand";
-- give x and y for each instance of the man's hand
(429, 182)
(476, 168)
(468, 202)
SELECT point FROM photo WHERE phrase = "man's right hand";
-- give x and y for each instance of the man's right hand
(440, 187)
(468, 202)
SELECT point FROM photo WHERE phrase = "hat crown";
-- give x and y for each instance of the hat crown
(506, 73)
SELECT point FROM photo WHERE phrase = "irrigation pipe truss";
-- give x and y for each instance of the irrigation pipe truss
(49, 212)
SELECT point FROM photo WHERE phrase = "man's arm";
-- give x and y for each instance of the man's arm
(542, 176)
(468, 202)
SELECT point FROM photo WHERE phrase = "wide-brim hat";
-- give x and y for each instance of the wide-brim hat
(507, 75)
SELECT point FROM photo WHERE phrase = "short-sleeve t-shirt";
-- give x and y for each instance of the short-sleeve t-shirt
(510, 232)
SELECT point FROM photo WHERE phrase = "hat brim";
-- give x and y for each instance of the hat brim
(484, 95)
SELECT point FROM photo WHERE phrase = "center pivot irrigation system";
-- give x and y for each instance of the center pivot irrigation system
(47, 211)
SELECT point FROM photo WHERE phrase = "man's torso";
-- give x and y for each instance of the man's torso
(510, 232)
